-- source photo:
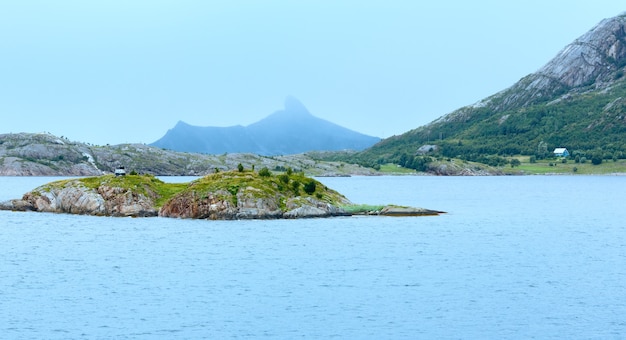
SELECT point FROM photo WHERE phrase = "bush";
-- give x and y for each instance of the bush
(596, 160)
(295, 186)
(240, 167)
(265, 172)
(284, 178)
(309, 187)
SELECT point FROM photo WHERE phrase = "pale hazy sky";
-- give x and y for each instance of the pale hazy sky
(119, 71)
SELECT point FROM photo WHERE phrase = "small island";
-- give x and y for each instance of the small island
(227, 195)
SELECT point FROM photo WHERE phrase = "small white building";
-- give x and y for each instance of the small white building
(120, 171)
(561, 152)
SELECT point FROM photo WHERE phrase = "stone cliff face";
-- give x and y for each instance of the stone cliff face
(595, 59)
(73, 197)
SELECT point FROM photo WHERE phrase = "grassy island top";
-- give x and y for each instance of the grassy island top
(261, 191)
(264, 184)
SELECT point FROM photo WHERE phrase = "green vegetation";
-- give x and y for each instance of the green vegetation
(146, 185)
(357, 209)
(589, 121)
(261, 185)
(264, 183)
(554, 166)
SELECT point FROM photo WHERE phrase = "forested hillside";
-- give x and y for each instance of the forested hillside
(577, 101)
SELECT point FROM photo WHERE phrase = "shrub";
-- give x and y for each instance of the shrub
(284, 178)
(295, 186)
(240, 167)
(596, 160)
(309, 187)
(265, 172)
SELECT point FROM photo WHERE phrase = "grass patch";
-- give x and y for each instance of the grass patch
(390, 168)
(543, 167)
(146, 185)
(362, 208)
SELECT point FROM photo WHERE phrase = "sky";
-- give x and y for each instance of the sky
(118, 71)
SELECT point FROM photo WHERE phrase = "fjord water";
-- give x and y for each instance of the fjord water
(514, 257)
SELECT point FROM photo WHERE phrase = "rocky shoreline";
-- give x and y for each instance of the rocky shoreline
(223, 196)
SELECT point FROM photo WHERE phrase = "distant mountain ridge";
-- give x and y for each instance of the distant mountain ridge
(577, 100)
(292, 130)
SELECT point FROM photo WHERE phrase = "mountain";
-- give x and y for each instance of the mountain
(290, 131)
(42, 154)
(577, 100)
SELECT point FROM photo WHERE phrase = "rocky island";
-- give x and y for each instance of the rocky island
(227, 195)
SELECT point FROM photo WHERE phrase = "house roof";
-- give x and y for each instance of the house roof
(560, 150)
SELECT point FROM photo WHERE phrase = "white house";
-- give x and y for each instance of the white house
(561, 152)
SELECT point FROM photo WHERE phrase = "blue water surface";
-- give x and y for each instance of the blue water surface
(514, 257)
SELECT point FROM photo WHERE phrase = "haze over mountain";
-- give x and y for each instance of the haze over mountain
(577, 100)
(292, 130)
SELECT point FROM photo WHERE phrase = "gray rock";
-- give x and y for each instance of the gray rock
(407, 211)
(251, 204)
(306, 207)
(74, 198)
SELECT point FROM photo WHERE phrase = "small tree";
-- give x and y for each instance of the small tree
(295, 186)
(240, 167)
(283, 178)
(309, 187)
(515, 162)
(596, 159)
(265, 172)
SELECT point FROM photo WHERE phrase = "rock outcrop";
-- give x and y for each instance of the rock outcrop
(223, 196)
(73, 197)
(42, 154)
(246, 195)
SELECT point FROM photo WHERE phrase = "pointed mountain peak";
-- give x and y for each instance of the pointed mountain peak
(292, 104)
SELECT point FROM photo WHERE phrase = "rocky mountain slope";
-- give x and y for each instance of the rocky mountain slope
(28, 154)
(577, 100)
(292, 130)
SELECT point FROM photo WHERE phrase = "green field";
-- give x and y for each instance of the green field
(394, 169)
(556, 166)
